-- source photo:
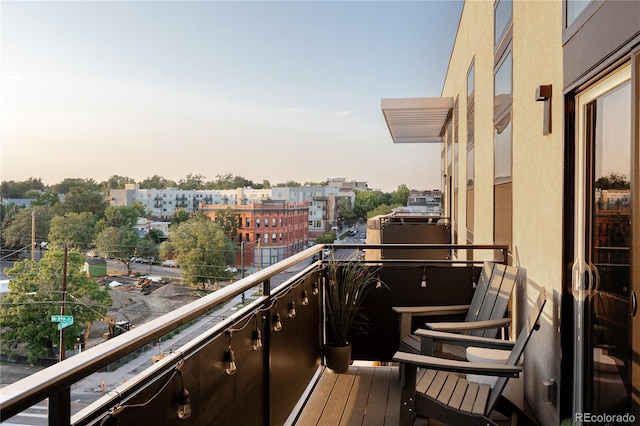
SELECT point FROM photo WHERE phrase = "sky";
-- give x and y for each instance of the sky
(280, 91)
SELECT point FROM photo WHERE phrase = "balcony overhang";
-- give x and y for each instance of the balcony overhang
(417, 120)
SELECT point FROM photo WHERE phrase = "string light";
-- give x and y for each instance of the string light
(304, 298)
(291, 309)
(256, 337)
(277, 324)
(184, 399)
(423, 283)
(230, 359)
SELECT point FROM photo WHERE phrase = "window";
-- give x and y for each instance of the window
(502, 19)
(470, 125)
(573, 9)
(273, 222)
(470, 170)
(257, 222)
(274, 238)
(502, 119)
(266, 222)
(266, 238)
(247, 222)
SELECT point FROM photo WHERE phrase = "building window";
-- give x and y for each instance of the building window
(573, 9)
(247, 222)
(274, 238)
(280, 221)
(273, 222)
(502, 19)
(502, 119)
(266, 222)
(266, 238)
(257, 222)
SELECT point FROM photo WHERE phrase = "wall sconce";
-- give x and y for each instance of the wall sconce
(184, 400)
(256, 337)
(230, 359)
(544, 94)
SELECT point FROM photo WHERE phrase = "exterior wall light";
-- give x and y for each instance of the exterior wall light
(544, 94)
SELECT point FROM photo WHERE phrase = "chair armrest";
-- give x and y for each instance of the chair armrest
(464, 340)
(441, 364)
(407, 312)
(468, 325)
(431, 310)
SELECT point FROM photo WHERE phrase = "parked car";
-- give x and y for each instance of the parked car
(170, 263)
(231, 269)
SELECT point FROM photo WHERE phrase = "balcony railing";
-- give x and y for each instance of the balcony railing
(269, 382)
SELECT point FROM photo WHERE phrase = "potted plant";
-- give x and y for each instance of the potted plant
(346, 285)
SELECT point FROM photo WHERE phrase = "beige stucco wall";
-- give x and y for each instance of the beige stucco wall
(537, 165)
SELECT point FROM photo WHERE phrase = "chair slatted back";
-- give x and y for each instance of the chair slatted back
(497, 298)
(518, 348)
(480, 292)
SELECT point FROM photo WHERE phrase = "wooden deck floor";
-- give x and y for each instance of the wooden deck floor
(365, 395)
(362, 396)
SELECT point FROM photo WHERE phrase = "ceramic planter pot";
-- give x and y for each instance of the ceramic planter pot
(337, 358)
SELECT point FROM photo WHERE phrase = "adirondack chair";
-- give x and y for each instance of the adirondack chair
(484, 316)
(439, 393)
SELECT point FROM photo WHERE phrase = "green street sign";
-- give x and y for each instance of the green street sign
(63, 321)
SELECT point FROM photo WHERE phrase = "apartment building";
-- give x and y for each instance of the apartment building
(540, 107)
(267, 231)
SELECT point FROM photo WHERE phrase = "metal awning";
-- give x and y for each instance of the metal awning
(417, 120)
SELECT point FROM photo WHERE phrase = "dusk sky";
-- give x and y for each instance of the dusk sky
(264, 90)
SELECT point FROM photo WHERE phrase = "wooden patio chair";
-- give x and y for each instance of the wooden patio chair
(485, 316)
(436, 391)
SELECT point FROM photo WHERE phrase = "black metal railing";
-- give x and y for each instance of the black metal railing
(269, 382)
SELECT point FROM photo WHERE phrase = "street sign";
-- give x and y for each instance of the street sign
(63, 321)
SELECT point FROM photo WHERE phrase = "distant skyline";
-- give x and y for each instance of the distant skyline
(263, 90)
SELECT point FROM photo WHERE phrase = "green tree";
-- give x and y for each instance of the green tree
(613, 181)
(157, 182)
(118, 242)
(35, 294)
(229, 181)
(13, 189)
(89, 185)
(228, 220)
(16, 231)
(201, 248)
(47, 198)
(289, 184)
(380, 210)
(75, 229)
(192, 182)
(123, 216)
(345, 211)
(326, 238)
(179, 216)
(116, 182)
(366, 201)
(400, 196)
(82, 199)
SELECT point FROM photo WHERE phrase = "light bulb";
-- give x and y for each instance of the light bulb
(314, 288)
(230, 362)
(304, 298)
(277, 324)
(291, 311)
(256, 339)
(184, 404)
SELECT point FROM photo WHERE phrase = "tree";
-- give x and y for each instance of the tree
(35, 294)
(67, 184)
(613, 181)
(326, 238)
(16, 231)
(229, 181)
(289, 184)
(345, 211)
(201, 248)
(192, 182)
(116, 182)
(123, 216)
(13, 189)
(400, 196)
(366, 201)
(82, 199)
(228, 220)
(157, 182)
(48, 198)
(75, 229)
(119, 243)
(179, 216)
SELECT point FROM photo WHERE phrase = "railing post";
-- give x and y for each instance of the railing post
(60, 408)
(266, 349)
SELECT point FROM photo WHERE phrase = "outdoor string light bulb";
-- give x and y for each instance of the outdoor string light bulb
(184, 400)
(304, 298)
(256, 337)
(315, 286)
(423, 283)
(277, 324)
(291, 309)
(229, 360)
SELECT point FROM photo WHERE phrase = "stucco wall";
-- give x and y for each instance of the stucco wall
(537, 165)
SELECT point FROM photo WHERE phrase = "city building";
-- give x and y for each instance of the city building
(267, 231)
(347, 186)
(322, 201)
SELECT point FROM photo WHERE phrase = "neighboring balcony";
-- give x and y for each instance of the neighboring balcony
(278, 377)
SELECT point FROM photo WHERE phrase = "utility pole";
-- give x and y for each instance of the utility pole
(64, 298)
(33, 235)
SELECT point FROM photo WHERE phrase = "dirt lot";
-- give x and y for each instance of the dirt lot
(139, 304)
